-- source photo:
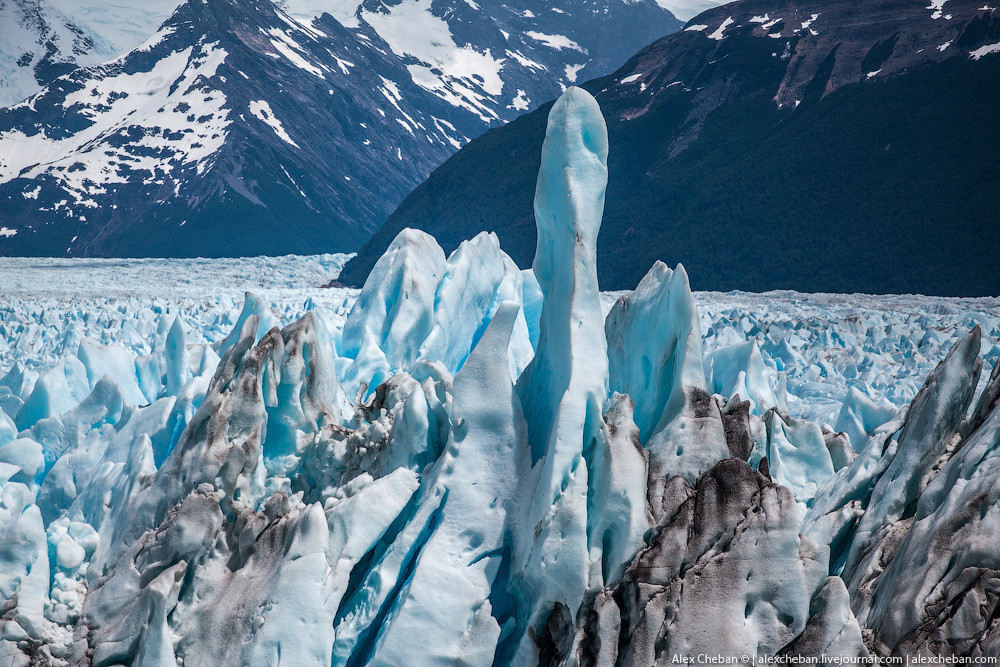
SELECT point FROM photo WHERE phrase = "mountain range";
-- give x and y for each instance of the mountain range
(823, 145)
(241, 128)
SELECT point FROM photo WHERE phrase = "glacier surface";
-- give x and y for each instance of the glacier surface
(465, 463)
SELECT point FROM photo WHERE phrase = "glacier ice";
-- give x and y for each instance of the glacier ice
(417, 305)
(486, 439)
(563, 388)
(466, 463)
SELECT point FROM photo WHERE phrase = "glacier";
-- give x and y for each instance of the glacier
(467, 463)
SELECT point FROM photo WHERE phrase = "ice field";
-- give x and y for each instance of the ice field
(465, 463)
(883, 345)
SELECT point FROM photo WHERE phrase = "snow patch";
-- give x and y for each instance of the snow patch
(521, 102)
(289, 48)
(262, 110)
(985, 50)
(157, 106)
(571, 71)
(524, 61)
(460, 75)
(557, 42)
(721, 29)
(687, 9)
(936, 6)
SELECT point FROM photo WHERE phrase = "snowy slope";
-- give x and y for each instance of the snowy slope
(37, 44)
(686, 9)
(473, 464)
(497, 59)
(117, 27)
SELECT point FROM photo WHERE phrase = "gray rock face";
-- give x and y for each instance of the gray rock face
(727, 573)
(914, 518)
(911, 521)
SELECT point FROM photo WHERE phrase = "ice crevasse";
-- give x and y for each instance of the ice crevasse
(480, 468)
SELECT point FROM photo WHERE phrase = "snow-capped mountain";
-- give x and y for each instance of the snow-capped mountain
(235, 129)
(239, 129)
(497, 58)
(856, 137)
(37, 44)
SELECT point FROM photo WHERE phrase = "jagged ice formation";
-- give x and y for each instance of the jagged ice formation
(479, 467)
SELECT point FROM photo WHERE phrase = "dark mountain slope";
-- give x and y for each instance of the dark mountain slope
(858, 158)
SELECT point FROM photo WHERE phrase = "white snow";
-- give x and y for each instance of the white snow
(985, 50)
(809, 22)
(31, 32)
(344, 65)
(523, 60)
(687, 9)
(306, 10)
(572, 70)
(461, 75)
(118, 26)
(558, 42)
(156, 103)
(721, 29)
(936, 6)
(289, 48)
(521, 102)
(262, 110)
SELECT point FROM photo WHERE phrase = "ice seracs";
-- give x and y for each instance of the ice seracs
(474, 465)
(477, 475)
(655, 354)
(417, 305)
